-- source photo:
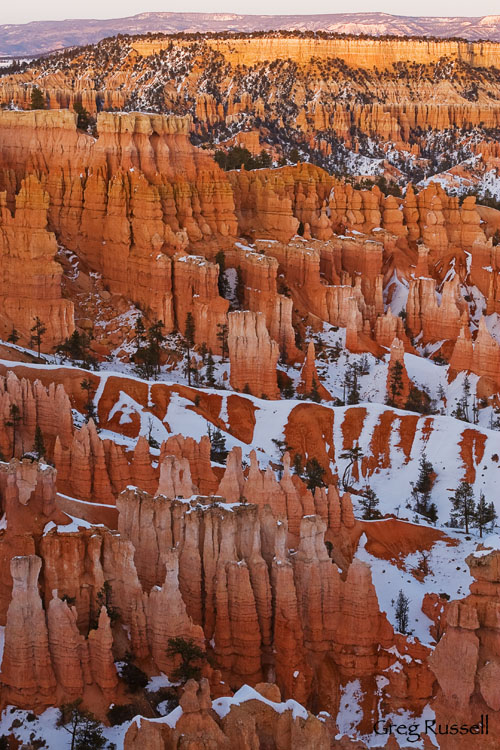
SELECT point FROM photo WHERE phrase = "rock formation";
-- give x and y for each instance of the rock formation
(253, 355)
(31, 277)
(468, 646)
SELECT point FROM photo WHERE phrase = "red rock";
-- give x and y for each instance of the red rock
(309, 376)
(253, 354)
(27, 673)
(31, 278)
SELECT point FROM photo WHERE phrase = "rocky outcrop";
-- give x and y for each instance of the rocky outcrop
(196, 292)
(48, 407)
(310, 383)
(27, 673)
(253, 355)
(481, 356)
(468, 645)
(229, 722)
(126, 201)
(30, 286)
(398, 384)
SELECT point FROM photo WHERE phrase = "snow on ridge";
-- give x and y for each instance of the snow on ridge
(222, 706)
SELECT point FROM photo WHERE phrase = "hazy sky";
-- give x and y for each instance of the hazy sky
(34, 10)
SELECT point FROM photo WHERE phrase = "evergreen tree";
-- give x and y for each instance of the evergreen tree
(143, 356)
(222, 335)
(369, 502)
(352, 455)
(297, 464)
(147, 355)
(37, 98)
(417, 401)
(14, 421)
(299, 339)
(39, 445)
(402, 612)
(464, 507)
(191, 656)
(203, 352)
(462, 408)
(13, 336)
(134, 677)
(210, 370)
(315, 395)
(77, 347)
(222, 282)
(155, 340)
(432, 512)
(37, 332)
(314, 474)
(288, 390)
(395, 383)
(83, 119)
(91, 412)
(218, 450)
(421, 491)
(352, 386)
(140, 331)
(265, 159)
(485, 514)
(89, 735)
(189, 333)
(84, 729)
(103, 599)
(240, 288)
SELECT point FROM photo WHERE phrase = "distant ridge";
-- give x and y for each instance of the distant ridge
(44, 36)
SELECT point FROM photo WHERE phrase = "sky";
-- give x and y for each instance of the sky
(50, 10)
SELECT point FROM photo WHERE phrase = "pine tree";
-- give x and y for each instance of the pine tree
(14, 421)
(369, 502)
(189, 334)
(83, 117)
(402, 612)
(190, 654)
(37, 332)
(155, 340)
(140, 331)
(218, 450)
(222, 336)
(91, 412)
(77, 347)
(352, 455)
(143, 356)
(37, 98)
(39, 445)
(203, 351)
(464, 507)
(421, 491)
(315, 395)
(395, 382)
(462, 408)
(351, 382)
(288, 390)
(13, 336)
(210, 370)
(314, 474)
(240, 288)
(84, 729)
(220, 259)
(485, 514)
(297, 464)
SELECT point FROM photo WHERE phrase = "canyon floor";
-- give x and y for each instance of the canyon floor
(249, 393)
